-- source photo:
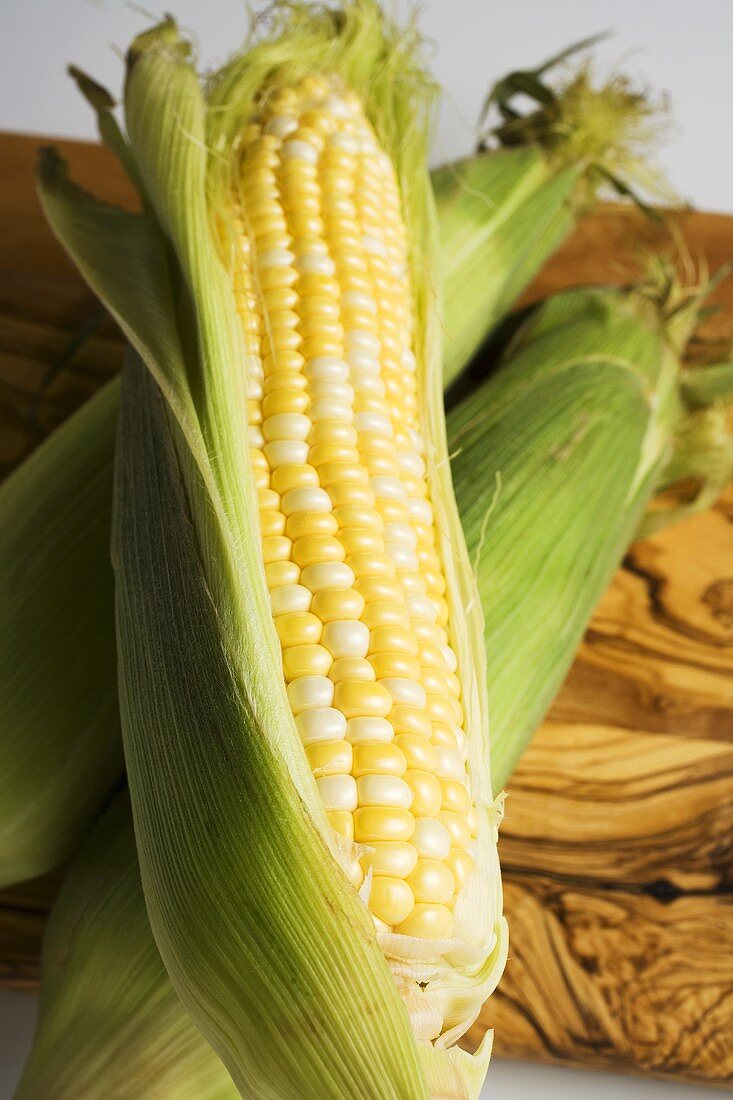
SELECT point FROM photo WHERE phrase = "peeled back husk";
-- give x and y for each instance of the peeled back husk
(289, 982)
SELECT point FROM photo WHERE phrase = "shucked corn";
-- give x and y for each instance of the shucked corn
(348, 534)
(304, 695)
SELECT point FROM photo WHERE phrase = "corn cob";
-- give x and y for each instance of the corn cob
(501, 212)
(358, 543)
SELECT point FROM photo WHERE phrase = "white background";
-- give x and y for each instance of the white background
(683, 47)
(680, 48)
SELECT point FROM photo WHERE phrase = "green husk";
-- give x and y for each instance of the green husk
(110, 1023)
(60, 752)
(504, 212)
(501, 213)
(585, 419)
(290, 984)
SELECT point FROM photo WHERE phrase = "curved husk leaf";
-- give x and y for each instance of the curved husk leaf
(568, 442)
(58, 677)
(110, 1021)
(266, 943)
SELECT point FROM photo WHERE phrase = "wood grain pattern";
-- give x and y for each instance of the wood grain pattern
(617, 846)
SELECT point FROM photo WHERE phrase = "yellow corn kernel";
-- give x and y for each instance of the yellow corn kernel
(455, 796)
(394, 664)
(342, 822)
(458, 829)
(427, 793)
(393, 639)
(418, 752)
(391, 899)
(386, 613)
(351, 668)
(395, 858)
(380, 759)
(461, 865)
(301, 524)
(337, 603)
(293, 476)
(298, 628)
(306, 660)
(374, 823)
(272, 523)
(360, 697)
(430, 922)
(276, 548)
(406, 719)
(330, 758)
(432, 882)
(312, 549)
(278, 573)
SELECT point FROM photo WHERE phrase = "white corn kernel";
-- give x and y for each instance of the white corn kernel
(346, 638)
(384, 790)
(431, 838)
(328, 574)
(368, 729)
(315, 263)
(400, 533)
(406, 691)
(421, 511)
(373, 422)
(363, 361)
(450, 765)
(326, 367)
(307, 498)
(290, 597)
(450, 658)
(300, 150)
(421, 607)
(321, 724)
(338, 792)
(402, 556)
(275, 257)
(361, 340)
(355, 299)
(388, 488)
(310, 691)
(286, 452)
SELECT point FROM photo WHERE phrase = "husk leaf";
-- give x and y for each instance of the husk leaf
(110, 1022)
(60, 749)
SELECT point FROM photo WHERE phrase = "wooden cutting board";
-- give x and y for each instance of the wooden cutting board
(617, 846)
